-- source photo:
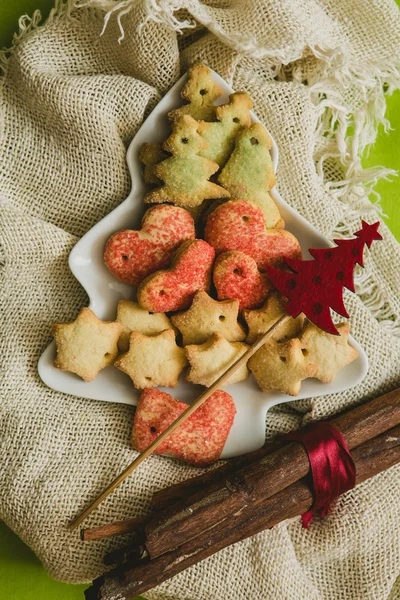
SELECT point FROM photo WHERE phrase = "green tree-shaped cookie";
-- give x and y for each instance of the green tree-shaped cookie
(220, 136)
(249, 172)
(185, 174)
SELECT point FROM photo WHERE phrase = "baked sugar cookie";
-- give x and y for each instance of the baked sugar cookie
(173, 289)
(186, 173)
(207, 316)
(249, 172)
(220, 136)
(132, 255)
(281, 367)
(236, 275)
(153, 360)
(260, 320)
(86, 345)
(200, 91)
(240, 225)
(210, 360)
(134, 318)
(329, 352)
(198, 441)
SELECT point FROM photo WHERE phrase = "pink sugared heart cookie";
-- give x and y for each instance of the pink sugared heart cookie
(236, 275)
(174, 288)
(240, 225)
(133, 255)
(199, 440)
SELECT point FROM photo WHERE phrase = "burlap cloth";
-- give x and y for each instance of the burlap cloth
(70, 103)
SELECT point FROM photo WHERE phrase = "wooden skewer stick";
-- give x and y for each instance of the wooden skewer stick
(189, 411)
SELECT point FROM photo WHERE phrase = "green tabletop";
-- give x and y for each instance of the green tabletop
(21, 574)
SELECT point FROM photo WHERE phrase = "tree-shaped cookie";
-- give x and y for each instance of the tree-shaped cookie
(249, 172)
(86, 345)
(329, 352)
(220, 136)
(201, 92)
(185, 174)
(281, 367)
(207, 316)
(150, 155)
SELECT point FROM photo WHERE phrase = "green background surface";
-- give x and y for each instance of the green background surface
(22, 576)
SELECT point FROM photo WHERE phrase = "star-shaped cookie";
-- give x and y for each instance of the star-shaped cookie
(261, 319)
(86, 345)
(207, 316)
(153, 360)
(329, 352)
(281, 367)
(135, 318)
(209, 360)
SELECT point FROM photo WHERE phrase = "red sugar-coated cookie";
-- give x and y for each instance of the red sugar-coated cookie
(174, 288)
(240, 225)
(132, 255)
(199, 440)
(236, 275)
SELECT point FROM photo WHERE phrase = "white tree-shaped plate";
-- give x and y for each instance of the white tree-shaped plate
(104, 291)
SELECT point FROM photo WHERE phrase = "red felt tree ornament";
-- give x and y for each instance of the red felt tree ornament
(315, 286)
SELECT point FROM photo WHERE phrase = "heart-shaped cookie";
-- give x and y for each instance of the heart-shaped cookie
(132, 255)
(199, 440)
(174, 288)
(240, 225)
(236, 275)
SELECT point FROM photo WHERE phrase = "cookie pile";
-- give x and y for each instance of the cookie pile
(198, 265)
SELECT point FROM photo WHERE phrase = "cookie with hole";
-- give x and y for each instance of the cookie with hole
(185, 174)
(240, 225)
(131, 255)
(237, 275)
(260, 320)
(220, 136)
(200, 91)
(134, 318)
(174, 288)
(153, 360)
(249, 172)
(198, 441)
(329, 352)
(281, 367)
(207, 316)
(210, 360)
(86, 345)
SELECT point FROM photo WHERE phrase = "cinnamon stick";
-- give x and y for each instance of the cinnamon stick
(124, 582)
(115, 528)
(357, 425)
(174, 493)
(255, 482)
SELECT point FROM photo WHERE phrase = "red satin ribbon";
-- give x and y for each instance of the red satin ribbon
(332, 468)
